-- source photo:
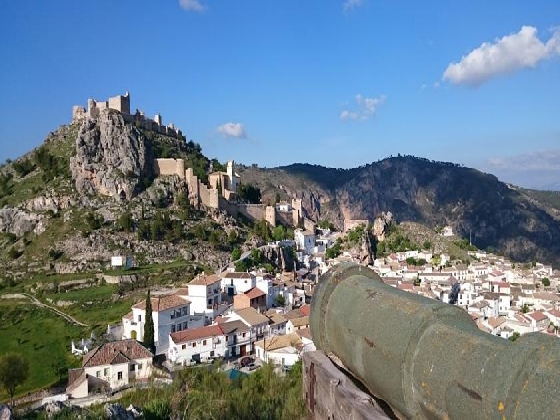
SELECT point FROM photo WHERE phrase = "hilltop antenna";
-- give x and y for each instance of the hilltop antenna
(470, 237)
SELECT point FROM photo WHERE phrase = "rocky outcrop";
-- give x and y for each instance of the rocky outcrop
(381, 225)
(19, 222)
(112, 157)
(279, 256)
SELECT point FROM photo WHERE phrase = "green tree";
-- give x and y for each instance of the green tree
(235, 254)
(427, 245)
(149, 326)
(232, 237)
(125, 222)
(545, 281)
(14, 370)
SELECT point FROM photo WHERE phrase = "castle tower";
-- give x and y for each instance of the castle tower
(158, 119)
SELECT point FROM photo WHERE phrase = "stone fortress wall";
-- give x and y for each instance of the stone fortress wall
(121, 103)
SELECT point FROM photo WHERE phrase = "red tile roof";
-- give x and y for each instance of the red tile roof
(254, 293)
(116, 352)
(537, 316)
(305, 310)
(236, 275)
(196, 334)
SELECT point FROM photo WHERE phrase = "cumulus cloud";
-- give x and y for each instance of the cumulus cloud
(192, 5)
(351, 4)
(508, 54)
(230, 129)
(367, 107)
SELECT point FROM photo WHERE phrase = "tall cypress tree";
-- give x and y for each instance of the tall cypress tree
(149, 326)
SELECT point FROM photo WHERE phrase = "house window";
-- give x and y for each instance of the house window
(245, 281)
(173, 328)
(139, 318)
(185, 325)
(132, 366)
(183, 347)
(119, 376)
(139, 366)
(203, 342)
(212, 353)
(244, 335)
(106, 372)
(194, 344)
(209, 301)
(98, 374)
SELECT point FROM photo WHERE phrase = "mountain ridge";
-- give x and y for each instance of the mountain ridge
(497, 215)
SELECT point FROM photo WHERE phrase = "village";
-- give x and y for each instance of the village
(245, 319)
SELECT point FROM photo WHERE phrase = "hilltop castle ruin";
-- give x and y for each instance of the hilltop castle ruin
(221, 190)
(121, 104)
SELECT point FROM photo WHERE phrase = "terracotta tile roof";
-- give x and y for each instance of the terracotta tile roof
(236, 275)
(305, 309)
(75, 378)
(280, 341)
(251, 316)
(554, 312)
(405, 286)
(163, 303)
(298, 322)
(116, 352)
(304, 333)
(254, 293)
(537, 316)
(183, 291)
(233, 327)
(196, 334)
(128, 315)
(496, 322)
(276, 318)
(206, 280)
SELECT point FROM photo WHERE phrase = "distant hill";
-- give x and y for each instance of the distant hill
(522, 224)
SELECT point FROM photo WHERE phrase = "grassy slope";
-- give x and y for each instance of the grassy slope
(40, 337)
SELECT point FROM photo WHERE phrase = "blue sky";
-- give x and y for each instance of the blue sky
(332, 82)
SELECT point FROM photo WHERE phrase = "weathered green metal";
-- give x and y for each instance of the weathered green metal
(428, 359)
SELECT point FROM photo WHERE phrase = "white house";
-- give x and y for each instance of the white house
(204, 293)
(170, 313)
(283, 350)
(234, 283)
(199, 344)
(305, 240)
(111, 366)
(238, 338)
(277, 323)
(257, 322)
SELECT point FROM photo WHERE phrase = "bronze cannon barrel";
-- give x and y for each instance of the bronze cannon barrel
(427, 359)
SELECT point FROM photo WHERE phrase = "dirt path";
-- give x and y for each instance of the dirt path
(37, 302)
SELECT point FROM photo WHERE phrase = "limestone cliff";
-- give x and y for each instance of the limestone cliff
(112, 157)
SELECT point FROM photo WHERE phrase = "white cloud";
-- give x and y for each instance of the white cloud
(367, 107)
(230, 129)
(548, 160)
(540, 170)
(192, 5)
(510, 53)
(351, 4)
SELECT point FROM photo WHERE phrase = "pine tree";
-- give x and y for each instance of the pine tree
(149, 326)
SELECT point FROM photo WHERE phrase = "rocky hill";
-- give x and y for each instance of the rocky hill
(90, 192)
(522, 224)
